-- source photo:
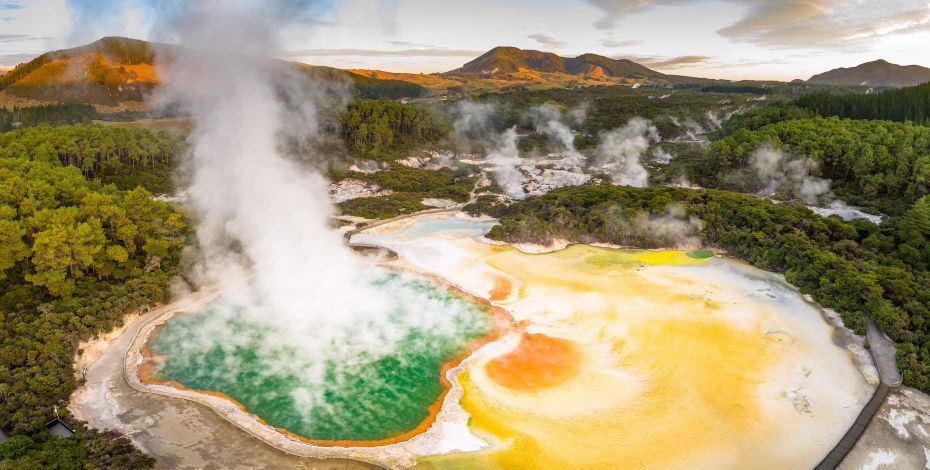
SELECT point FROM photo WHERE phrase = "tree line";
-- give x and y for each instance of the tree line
(124, 156)
(75, 257)
(382, 129)
(902, 104)
(16, 117)
(882, 164)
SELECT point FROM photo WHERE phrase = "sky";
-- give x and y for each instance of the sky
(733, 39)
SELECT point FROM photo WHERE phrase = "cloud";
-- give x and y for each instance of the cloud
(827, 23)
(616, 9)
(670, 62)
(799, 23)
(547, 40)
(409, 44)
(9, 60)
(20, 37)
(421, 52)
(616, 43)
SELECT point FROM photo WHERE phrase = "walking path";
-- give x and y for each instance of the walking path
(883, 353)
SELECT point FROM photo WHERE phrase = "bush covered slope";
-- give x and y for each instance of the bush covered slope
(75, 257)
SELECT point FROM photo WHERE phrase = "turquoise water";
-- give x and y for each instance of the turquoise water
(368, 397)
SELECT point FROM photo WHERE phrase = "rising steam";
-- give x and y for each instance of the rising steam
(473, 120)
(262, 216)
(621, 149)
(791, 175)
(505, 159)
(778, 171)
(548, 121)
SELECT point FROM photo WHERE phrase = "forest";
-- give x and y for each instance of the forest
(384, 129)
(879, 164)
(122, 156)
(860, 269)
(75, 257)
(15, 117)
(903, 104)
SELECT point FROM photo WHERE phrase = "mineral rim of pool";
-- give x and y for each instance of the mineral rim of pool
(377, 402)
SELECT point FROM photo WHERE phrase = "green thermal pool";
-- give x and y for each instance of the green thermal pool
(302, 387)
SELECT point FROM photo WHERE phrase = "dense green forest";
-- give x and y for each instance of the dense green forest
(761, 116)
(122, 156)
(15, 117)
(75, 257)
(879, 164)
(859, 269)
(790, 90)
(903, 104)
(384, 129)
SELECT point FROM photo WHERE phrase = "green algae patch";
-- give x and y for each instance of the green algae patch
(701, 254)
(374, 394)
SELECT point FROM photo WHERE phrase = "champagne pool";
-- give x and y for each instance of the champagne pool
(373, 398)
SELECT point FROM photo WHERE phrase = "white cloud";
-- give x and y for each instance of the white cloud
(547, 41)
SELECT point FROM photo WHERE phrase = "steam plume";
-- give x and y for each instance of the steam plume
(473, 120)
(505, 158)
(779, 171)
(620, 151)
(263, 215)
(672, 229)
(548, 120)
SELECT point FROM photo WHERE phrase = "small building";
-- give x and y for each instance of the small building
(59, 428)
(2, 436)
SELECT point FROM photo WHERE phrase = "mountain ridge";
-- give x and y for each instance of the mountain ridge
(875, 73)
(504, 60)
(117, 73)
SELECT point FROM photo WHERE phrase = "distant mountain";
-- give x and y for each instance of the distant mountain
(878, 73)
(502, 61)
(116, 74)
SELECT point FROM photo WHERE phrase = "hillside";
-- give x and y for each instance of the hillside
(878, 73)
(116, 74)
(428, 80)
(519, 63)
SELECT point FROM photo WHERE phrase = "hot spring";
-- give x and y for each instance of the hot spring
(584, 357)
(382, 394)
